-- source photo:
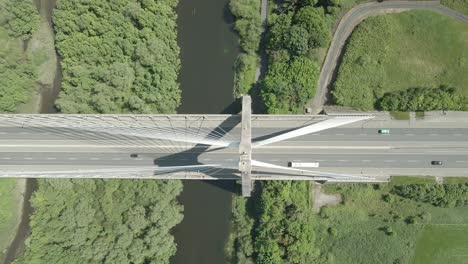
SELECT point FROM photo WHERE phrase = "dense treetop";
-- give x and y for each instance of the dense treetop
(119, 56)
(99, 221)
(21, 18)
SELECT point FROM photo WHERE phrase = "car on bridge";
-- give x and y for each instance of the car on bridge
(436, 162)
(384, 131)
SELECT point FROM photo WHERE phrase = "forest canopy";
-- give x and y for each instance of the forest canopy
(118, 56)
(103, 221)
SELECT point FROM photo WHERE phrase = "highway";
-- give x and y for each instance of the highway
(355, 149)
(346, 26)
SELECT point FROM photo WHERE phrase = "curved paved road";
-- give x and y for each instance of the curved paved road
(350, 21)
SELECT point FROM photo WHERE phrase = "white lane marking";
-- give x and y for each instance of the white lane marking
(342, 160)
(6, 158)
(433, 134)
(389, 160)
(45, 133)
(2, 133)
(229, 159)
(339, 134)
(27, 158)
(365, 160)
(410, 134)
(412, 160)
(206, 159)
(138, 159)
(363, 134)
(94, 158)
(51, 158)
(116, 158)
(23, 133)
(458, 135)
(274, 160)
(72, 158)
(460, 161)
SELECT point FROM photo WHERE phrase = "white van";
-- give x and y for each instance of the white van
(303, 164)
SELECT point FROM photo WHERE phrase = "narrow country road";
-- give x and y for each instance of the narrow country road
(349, 21)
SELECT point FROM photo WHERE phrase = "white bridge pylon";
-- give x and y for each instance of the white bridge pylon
(144, 128)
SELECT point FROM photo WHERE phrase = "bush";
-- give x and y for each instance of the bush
(248, 23)
(245, 71)
(289, 85)
(423, 99)
(447, 195)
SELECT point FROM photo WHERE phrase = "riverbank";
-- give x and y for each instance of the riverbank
(12, 193)
(41, 45)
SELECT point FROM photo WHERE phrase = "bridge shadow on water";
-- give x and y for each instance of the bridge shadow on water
(191, 156)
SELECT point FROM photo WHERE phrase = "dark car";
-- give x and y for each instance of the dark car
(134, 155)
(436, 162)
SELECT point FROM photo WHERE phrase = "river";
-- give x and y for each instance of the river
(208, 51)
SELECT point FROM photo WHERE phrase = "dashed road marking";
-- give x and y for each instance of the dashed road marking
(365, 160)
(116, 158)
(94, 158)
(460, 161)
(339, 134)
(27, 158)
(389, 160)
(51, 158)
(410, 134)
(412, 160)
(6, 158)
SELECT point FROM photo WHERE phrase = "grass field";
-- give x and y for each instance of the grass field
(371, 226)
(398, 51)
(441, 244)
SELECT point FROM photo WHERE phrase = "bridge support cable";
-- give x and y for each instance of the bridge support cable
(326, 124)
(154, 170)
(102, 124)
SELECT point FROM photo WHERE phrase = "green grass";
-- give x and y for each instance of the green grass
(440, 244)
(399, 115)
(400, 180)
(458, 5)
(8, 212)
(362, 222)
(395, 52)
(419, 115)
(455, 180)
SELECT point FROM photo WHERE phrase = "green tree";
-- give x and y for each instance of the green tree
(21, 19)
(313, 21)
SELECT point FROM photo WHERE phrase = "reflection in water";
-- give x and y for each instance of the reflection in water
(208, 51)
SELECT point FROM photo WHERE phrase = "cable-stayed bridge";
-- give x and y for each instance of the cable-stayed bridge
(242, 147)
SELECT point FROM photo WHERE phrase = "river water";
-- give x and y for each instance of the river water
(208, 51)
